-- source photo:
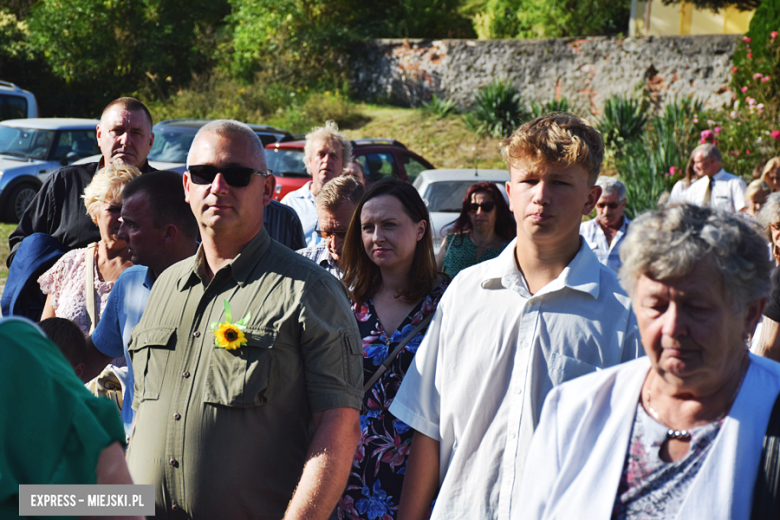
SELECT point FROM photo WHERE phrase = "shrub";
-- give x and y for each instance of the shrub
(498, 109)
(644, 168)
(622, 119)
(554, 105)
(440, 107)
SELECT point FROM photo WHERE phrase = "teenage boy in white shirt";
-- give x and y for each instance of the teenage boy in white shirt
(509, 329)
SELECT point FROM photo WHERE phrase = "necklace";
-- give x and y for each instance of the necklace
(685, 435)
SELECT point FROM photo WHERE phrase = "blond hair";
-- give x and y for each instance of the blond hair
(338, 191)
(773, 163)
(756, 187)
(107, 185)
(557, 138)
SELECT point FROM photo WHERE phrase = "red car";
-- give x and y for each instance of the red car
(380, 158)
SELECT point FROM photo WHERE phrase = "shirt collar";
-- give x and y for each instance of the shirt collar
(721, 175)
(582, 274)
(149, 278)
(240, 267)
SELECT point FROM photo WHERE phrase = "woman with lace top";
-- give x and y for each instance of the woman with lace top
(65, 284)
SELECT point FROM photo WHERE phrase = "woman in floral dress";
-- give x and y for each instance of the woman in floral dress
(390, 269)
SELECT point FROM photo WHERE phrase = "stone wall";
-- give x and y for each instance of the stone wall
(586, 71)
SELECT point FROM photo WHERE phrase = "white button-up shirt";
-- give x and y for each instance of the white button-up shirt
(302, 201)
(491, 354)
(607, 253)
(728, 192)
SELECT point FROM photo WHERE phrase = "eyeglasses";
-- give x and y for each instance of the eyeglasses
(236, 176)
(487, 207)
(326, 235)
(610, 205)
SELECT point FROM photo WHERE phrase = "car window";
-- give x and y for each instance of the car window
(413, 167)
(25, 142)
(378, 166)
(286, 163)
(447, 196)
(171, 147)
(267, 139)
(82, 142)
(12, 107)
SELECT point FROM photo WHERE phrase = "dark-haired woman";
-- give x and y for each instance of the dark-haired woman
(483, 229)
(390, 269)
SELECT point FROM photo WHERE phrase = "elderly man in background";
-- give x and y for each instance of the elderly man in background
(335, 204)
(605, 232)
(355, 169)
(325, 154)
(247, 359)
(715, 188)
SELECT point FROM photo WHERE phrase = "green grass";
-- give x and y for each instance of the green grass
(5, 230)
(445, 142)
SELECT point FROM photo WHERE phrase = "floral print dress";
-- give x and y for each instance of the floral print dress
(374, 486)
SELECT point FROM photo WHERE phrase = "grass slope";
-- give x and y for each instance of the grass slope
(446, 143)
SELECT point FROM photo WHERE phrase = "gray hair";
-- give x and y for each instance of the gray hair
(329, 134)
(708, 151)
(770, 213)
(668, 244)
(345, 188)
(612, 185)
(229, 127)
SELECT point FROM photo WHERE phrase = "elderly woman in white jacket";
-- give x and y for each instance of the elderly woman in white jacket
(679, 433)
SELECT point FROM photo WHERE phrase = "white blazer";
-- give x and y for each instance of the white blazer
(578, 451)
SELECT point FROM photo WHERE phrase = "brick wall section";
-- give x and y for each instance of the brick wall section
(586, 71)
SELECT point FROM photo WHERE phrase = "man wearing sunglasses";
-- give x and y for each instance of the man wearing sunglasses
(247, 359)
(605, 233)
(336, 203)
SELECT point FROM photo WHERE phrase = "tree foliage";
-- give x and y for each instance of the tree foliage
(117, 46)
(550, 19)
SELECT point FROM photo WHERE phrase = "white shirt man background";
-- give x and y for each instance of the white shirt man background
(605, 233)
(716, 187)
(325, 153)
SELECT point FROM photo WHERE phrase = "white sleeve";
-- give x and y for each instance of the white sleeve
(418, 402)
(738, 188)
(543, 463)
(632, 344)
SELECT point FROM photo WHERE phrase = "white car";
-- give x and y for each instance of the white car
(443, 191)
(31, 149)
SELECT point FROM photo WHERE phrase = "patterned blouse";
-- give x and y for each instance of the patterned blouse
(374, 486)
(65, 282)
(463, 253)
(651, 489)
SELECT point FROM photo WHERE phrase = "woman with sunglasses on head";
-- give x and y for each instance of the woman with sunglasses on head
(483, 229)
(390, 270)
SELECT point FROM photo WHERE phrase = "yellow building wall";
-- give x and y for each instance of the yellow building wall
(684, 18)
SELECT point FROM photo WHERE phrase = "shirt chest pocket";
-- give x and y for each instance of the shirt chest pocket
(241, 378)
(149, 350)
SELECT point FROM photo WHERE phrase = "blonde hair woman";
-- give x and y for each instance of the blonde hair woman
(771, 173)
(65, 284)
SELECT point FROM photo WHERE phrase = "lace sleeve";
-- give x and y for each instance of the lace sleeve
(54, 280)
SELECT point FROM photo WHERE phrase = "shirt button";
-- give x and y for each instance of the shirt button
(175, 507)
(196, 333)
(177, 416)
(172, 462)
(186, 374)
(512, 435)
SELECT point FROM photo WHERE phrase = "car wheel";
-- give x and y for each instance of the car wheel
(18, 201)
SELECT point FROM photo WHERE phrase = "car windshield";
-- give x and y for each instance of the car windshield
(30, 143)
(286, 163)
(171, 147)
(447, 197)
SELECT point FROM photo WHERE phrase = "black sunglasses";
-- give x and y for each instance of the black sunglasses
(236, 176)
(328, 234)
(487, 207)
(610, 205)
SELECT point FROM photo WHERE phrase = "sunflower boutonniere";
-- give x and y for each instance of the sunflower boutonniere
(228, 335)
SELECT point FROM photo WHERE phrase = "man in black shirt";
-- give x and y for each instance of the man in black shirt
(123, 134)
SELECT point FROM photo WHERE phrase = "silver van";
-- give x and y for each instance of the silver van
(16, 103)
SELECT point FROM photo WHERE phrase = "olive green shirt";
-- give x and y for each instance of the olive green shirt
(224, 433)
